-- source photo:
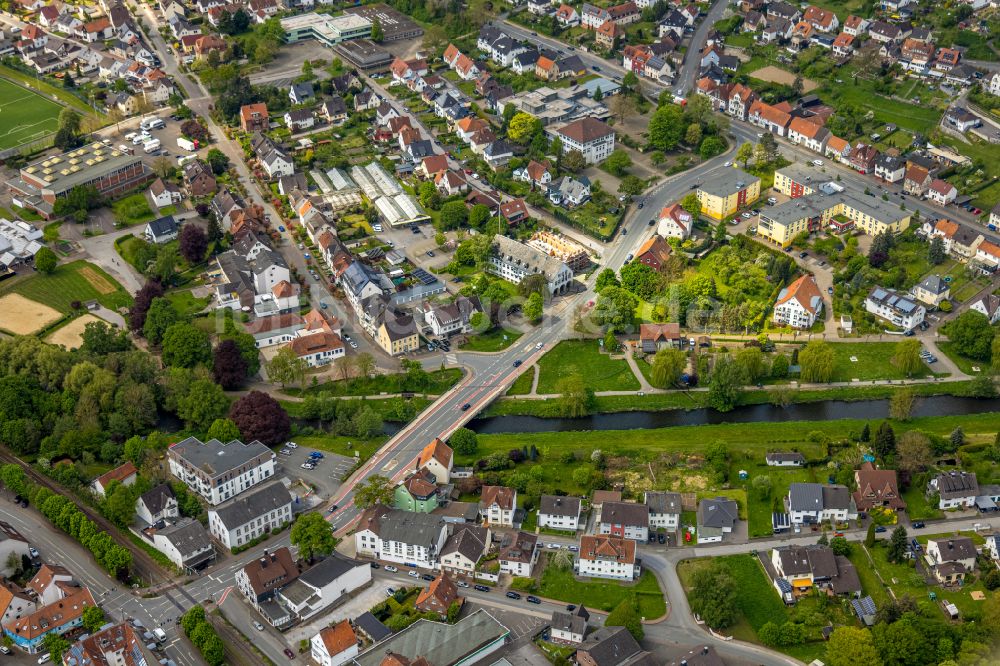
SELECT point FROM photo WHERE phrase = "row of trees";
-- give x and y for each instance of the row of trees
(203, 635)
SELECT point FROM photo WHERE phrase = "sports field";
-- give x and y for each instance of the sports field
(25, 115)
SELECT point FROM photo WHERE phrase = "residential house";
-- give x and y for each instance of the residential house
(821, 19)
(814, 503)
(559, 512)
(607, 557)
(916, 180)
(800, 304)
(467, 545)
(260, 579)
(674, 222)
(317, 349)
(806, 133)
(569, 626)
(884, 32)
(60, 617)
(497, 506)
(300, 93)
(955, 489)
(125, 474)
(862, 158)
(942, 192)
(401, 536)
(856, 26)
(567, 16)
(569, 192)
(297, 120)
(417, 492)
(932, 290)
(335, 645)
(895, 308)
(199, 179)
(664, 510)
(727, 192)
(455, 317)
(612, 646)
(323, 585)
(437, 458)
(951, 559)
(513, 261)
(15, 602)
(592, 137)
(397, 333)
(653, 253)
(716, 518)
(889, 168)
(186, 543)
(962, 119)
(438, 597)
(161, 230)
(52, 583)
(843, 45)
(624, 519)
(218, 471)
(165, 194)
(13, 547)
(518, 553)
(876, 488)
(785, 459)
(157, 504)
(654, 337)
(251, 515)
(960, 240)
(988, 305)
(799, 569)
(538, 174)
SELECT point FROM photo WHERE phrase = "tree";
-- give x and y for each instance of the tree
(693, 134)
(376, 489)
(957, 437)
(817, 362)
(93, 619)
(229, 368)
(453, 215)
(913, 452)
(850, 646)
(533, 308)
(906, 357)
(161, 316)
(464, 442)
(185, 346)
(692, 204)
(576, 399)
(533, 284)
(606, 278)
(631, 185)
(666, 127)
(878, 254)
(618, 163)
(479, 216)
(119, 504)
(522, 128)
(102, 339)
(312, 535)
(935, 252)
(55, 645)
(45, 260)
(667, 366)
(223, 430)
(713, 596)
(897, 545)
(745, 154)
(615, 308)
(761, 485)
(378, 34)
(626, 614)
(286, 367)
(365, 363)
(870, 535)
(971, 335)
(70, 120)
(779, 367)
(885, 441)
(622, 107)
(193, 243)
(195, 130)
(724, 387)
(901, 404)
(218, 161)
(260, 417)
(203, 403)
(630, 82)
(711, 147)
(574, 161)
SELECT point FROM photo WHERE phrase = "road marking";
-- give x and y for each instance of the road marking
(451, 358)
(391, 465)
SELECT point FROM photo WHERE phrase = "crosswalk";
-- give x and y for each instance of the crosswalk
(451, 359)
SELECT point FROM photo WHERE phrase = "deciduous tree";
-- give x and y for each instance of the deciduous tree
(576, 399)
(667, 366)
(228, 365)
(312, 535)
(713, 596)
(971, 335)
(817, 362)
(185, 346)
(260, 417)
(745, 153)
(906, 357)
(464, 441)
(286, 367)
(45, 260)
(850, 646)
(223, 430)
(376, 489)
(913, 452)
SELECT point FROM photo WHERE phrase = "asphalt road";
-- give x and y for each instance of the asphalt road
(692, 57)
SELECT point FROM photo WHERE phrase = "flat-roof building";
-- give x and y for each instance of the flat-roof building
(365, 55)
(218, 471)
(395, 26)
(726, 192)
(327, 29)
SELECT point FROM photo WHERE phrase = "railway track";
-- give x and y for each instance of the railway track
(143, 566)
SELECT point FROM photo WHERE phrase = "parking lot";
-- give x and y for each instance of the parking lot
(327, 474)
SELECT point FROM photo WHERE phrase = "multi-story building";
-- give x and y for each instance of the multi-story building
(813, 503)
(898, 310)
(118, 645)
(607, 557)
(110, 171)
(185, 543)
(727, 192)
(624, 519)
(438, 459)
(28, 633)
(466, 546)
(497, 505)
(955, 489)
(664, 509)
(876, 487)
(325, 28)
(513, 261)
(454, 317)
(261, 578)
(218, 471)
(518, 554)
(932, 290)
(418, 492)
(252, 515)
(798, 569)
(401, 536)
(951, 559)
(799, 304)
(335, 645)
(593, 138)
(559, 513)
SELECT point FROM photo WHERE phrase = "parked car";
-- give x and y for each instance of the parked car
(517, 363)
(428, 577)
(534, 600)
(289, 653)
(291, 445)
(879, 529)
(390, 568)
(482, 588)
(513, 595)
(258, 626)
(461, 583)
(413, 574)
(918, 525)
(33, 552)
(281, 228)
(389, 591)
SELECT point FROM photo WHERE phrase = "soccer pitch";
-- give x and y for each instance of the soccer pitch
(25, 115)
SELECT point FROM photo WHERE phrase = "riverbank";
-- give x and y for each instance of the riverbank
(698, 399)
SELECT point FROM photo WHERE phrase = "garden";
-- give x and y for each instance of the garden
(132, 210)
(558, 582)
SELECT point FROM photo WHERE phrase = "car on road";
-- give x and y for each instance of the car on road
(482, 588)
(258, 626)
(289, 653)
(33, 552)
(306, 255)
(662, 538)
(513, 595)
(879, 529)
(517, 363)
(571, 607)
(817, 162)
(641, 204)
(628, 258)
(428, 577)
(534, 600)
(838, 534)
(803, 255)
(354, 345)
(918, 525)
(285, 452)
(475, 176)
(908, 333)
(595, 68)
(538, 346)
(728, 164)
(652, 222)
(390, 568)
(302, 246)
(461, 583)
(332, 508)
(829, 290)
(573, 548)
(4, 649)
(466, 407)
(430, 253)
(746, 215)
(281, 228)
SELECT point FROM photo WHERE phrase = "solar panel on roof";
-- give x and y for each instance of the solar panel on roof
(783, 585)
(878, 294)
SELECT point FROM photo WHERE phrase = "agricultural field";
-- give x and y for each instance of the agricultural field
(70, 336)
(23, 316)
(25, 115)
(75, 281)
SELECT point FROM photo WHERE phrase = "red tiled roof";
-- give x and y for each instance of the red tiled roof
(803, 290)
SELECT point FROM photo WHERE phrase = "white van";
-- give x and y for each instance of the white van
(45, 658)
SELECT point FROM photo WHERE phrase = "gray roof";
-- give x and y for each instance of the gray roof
(573, 622)
(793, 456)
(215, 458)
(934, 284)
(805, 497)
(718, 512)
(661, 502)
(956, 548)
(625, 513)
(467, 540)
(253, 504)
(727, 182)
(410, 528)
(437, 642)
(188, 536)
(157, 498)
(302, 90)
(957, 484)
(329, 570)
(611, 646)
(163, 226)
(531, 259)
(370, 625)
(891, 299)
(555, 505)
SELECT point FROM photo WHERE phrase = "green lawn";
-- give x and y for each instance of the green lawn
(583, 358)
(964, 363)
(440, 381)
(917, 506)
(521, 385)
(27, 116)
(494, 340)
(915, 117)
(604, 595)
(873, 361)
(760, 508)
(132, 210)
(74, 281)
(186, 303)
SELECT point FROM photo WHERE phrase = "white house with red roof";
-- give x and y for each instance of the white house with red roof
(799, 304)
(675, 222)
(942, 192)
(125, 474)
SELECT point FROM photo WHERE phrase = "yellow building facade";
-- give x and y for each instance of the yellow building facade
(727, 192)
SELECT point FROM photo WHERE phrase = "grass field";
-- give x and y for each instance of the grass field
(132, 210)
(75, 281)
(25, 115)
(491, 341)
(560, 584)
(583, 358)
(873, 361)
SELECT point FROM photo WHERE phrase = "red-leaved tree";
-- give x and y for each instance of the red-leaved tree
(193, 243)
(228, 365)
(260, 417)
